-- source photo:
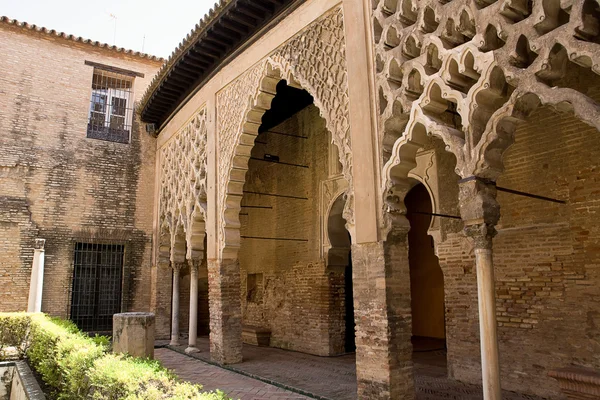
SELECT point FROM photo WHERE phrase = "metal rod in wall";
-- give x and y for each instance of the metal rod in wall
(277, 195)
(530, 195)
(279, 162)
(434, 214)
(265, 207)
(273, 238)
(286, 134)
(512, 191)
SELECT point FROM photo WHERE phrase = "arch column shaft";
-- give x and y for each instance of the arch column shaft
(480, 212)
(175, 307)
(381, 278)
(193, 326)
(225, 311)
(486, 293)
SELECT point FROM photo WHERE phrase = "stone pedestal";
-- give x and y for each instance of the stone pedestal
(578, 383)
(133, 334)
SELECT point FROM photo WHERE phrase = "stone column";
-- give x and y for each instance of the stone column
(480, 212)
(175, 306)
(225, 311)
(36, 284)
(193, 337)
(382, 310)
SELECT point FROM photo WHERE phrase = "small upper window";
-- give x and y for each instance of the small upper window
(111, 106)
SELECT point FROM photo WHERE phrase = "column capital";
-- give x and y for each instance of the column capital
(40, 244)
(177, 266)
(481, 234)
(193, 264)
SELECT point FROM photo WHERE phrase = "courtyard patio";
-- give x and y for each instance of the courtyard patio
(270, 373)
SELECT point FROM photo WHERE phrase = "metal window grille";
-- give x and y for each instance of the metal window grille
(97, 282)
(111, 106)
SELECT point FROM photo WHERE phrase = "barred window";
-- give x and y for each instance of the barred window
(97, 280)
(111, 106)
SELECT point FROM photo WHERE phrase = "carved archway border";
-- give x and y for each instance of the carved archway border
(328, 200)
(313, 60)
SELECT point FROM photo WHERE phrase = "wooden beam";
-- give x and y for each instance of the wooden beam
(207, 52)
(206, 42)
(262, 7)
(230, 33)
(215, 37)
(199, 58)
(243, 19)
(251, 12)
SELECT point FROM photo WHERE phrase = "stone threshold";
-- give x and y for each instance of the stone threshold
(248, 374)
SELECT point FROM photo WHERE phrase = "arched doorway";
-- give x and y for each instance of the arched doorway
(291, 299)
(340, 256)
(426, 277)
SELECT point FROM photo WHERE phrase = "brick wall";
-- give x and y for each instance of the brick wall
(546, 257)
(300, 300)
(58, 185)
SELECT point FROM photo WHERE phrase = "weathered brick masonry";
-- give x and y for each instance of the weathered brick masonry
(299, 299)
(54, 182)
(546, 260)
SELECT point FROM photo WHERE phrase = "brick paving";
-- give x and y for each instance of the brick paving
(212, 377)
(331, 378)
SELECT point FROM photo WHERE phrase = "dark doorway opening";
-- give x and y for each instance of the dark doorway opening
(426, 277)
(340, 255)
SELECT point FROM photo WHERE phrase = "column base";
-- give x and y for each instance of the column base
(191, 350)
(174, 342)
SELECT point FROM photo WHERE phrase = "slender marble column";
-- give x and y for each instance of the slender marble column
(480, 212)
(193, 308)
(486, 293)
(175, 306)
(36, 284)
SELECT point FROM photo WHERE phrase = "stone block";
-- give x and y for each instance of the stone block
(256, 336)
(133, 334)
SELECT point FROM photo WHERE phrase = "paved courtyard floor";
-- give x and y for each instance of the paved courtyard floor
(267, 372)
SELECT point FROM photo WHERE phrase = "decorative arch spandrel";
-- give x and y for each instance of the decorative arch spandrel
(313, 60)
(182, 207)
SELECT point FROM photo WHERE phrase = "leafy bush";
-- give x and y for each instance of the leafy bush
(76, 366)
(119, 377)
(14, 328)
(62, 356)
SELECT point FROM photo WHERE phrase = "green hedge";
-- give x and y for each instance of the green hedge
(75, 366)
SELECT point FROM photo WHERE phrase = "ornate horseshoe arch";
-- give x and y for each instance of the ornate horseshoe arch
(182, 208)
(314, 60)
(468, 71)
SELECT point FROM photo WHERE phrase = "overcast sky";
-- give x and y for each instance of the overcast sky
(164, 23)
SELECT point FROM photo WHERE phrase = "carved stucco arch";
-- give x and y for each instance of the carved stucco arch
(315, 61)
(183, 199)
(336, 255)
(473, 59)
